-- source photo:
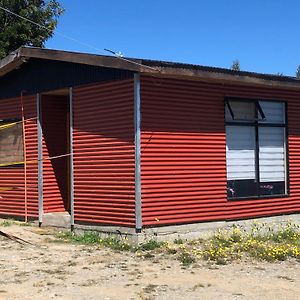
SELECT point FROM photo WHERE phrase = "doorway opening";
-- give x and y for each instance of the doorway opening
(55, 123)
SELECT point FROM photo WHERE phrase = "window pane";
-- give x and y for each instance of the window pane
(240, 154)
(274, 112)
(241, 188)
(272, 160)
(242, 111)
(11, 144)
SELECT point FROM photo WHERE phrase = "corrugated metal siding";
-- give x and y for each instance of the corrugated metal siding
(59, 75)
(104, 153)
(55, 141)
(242, 209)
(184, 153)
(12, 201)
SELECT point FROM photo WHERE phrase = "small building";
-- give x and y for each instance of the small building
(136, 143)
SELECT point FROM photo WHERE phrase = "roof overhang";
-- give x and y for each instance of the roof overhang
(153, 68)
(216, 77)
(10, 62)
(16, 58)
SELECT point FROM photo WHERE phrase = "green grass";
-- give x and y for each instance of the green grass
(150, 245)
(261, 241)
(94, 238)
(10, 222)
(112, 242)
(186, 259)
(7, 223)
(178, 241)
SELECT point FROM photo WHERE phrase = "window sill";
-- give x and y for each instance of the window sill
(258, 197)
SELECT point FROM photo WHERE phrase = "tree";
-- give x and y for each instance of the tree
(236, 65)
(298, 72)
(16, 32)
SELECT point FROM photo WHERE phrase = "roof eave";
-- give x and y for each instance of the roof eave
(214, 77)
(11, 62)
(18, 57)
(80, 58)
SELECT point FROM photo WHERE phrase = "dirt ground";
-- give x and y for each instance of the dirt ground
(53, 270)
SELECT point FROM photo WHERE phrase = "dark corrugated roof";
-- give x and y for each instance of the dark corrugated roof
(177, 65)
(147, 66)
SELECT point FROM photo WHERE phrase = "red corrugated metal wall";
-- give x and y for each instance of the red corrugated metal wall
(55, 142)
(12, 200)
(103, 143)
(184, 152)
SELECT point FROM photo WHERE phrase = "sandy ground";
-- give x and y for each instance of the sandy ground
(52, 270)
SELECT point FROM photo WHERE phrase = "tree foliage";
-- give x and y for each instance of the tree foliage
(16, 32)
(236, 65)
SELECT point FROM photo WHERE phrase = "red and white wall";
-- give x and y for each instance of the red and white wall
(184, 152)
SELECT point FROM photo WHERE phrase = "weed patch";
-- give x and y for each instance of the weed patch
(261, 241)
(94, 238)
(6, 223)
(186, 259)
(150, 245)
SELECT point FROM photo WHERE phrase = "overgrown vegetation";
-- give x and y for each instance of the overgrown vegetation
(112, 242)
(261, 241)
(10, 222)
(7, 223)
(186, 258)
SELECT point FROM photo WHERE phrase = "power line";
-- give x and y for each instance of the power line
(117, 55)
(46, 28)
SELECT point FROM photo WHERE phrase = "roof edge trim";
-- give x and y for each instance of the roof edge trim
(21, 55)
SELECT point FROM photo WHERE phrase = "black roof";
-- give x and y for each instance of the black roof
(147, 66)
(177, 65)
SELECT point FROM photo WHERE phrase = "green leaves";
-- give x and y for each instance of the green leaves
(16, 32)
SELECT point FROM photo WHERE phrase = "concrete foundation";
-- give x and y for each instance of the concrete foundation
(61, 220)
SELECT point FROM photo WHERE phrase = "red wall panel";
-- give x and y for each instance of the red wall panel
(184, 152)
(55, 142)
(103, 143)
(12, 200)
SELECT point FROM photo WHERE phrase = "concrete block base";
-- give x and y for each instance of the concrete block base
(61, 220)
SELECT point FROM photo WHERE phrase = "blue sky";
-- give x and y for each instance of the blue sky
(264, 35)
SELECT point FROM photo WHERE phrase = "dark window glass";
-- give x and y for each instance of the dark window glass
(240, 111)
(255, 148)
